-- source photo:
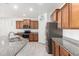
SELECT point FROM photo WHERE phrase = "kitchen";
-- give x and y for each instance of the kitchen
(50, 29)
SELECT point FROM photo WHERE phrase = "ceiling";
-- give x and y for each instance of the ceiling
(30, 10)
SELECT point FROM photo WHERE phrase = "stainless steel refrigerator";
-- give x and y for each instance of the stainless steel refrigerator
(52, 31)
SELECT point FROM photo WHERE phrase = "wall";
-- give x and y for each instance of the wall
(71, 33)
(42, 28)
(9, 25)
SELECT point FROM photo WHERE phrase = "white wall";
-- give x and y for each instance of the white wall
(71, 33)
(9, 25)
(42, 28)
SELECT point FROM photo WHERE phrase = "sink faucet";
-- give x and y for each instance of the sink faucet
(10, 34)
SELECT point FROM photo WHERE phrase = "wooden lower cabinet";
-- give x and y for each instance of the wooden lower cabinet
(58, 50)
(64, 52)
(61, 51)
(53, 48)
(33, 37)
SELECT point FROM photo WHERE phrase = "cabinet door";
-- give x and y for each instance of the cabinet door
(54, 15)
(31, 25)
(21, 24)
(61, 51)
(59, 19)
(56, 49)
(35, 37)
(64, 52)
(17, 25)
(34, 24)
(65, 16)
(26, 22)
(53, 48)
(74, 22)
(31, 37)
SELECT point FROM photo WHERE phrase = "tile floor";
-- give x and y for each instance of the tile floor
(33, 49)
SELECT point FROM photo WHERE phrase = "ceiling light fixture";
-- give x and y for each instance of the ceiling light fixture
(30, 9)
(15, 7)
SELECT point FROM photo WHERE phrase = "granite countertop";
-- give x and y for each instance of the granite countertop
(10, 48)
(69, 44)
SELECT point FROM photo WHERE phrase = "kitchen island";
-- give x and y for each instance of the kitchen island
(11, 48)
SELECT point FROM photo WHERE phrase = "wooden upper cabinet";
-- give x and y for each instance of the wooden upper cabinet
(26, 22)
(34, 24)
(31, 24)
(21, 24)
(65, 16)
(74, 9)
(54, 15)
(70, 16)
(59, 19)
(17, 25)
